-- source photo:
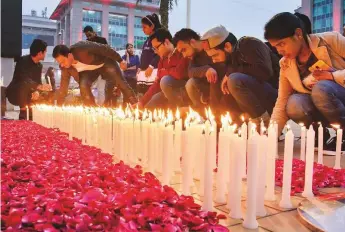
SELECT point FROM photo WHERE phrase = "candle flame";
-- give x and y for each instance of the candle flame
(177, 115)
(301, 124)
(242, 117)
(336, 126)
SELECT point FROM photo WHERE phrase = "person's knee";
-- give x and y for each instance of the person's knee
(237, 80)
(321, 92)
(298, 108)
(191, 86)
(165, 84)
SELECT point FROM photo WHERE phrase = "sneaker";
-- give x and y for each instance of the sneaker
(332, 144)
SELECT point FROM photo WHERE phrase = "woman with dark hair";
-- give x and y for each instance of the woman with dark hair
(149, 59)
(308, 92)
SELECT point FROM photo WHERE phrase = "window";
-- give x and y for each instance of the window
(322, 15)
(28, 38)
(93, 19)
(113, 8)
(139, 36)
(118, 35)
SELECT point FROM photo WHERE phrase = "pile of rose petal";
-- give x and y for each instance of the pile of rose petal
(49, 183)
(323, 176)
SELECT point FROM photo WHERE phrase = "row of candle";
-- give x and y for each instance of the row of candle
(157, 141)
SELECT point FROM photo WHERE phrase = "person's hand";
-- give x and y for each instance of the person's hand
(45, 87)
(148, 72)
(211, 75)
(138, 71)
(35, 95)
(123, 65)
(224, 86)
(322, 75)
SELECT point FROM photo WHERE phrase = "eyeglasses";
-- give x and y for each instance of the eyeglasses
(156, 48)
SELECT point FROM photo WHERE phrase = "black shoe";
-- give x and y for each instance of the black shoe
(326, 136)
(332, 144)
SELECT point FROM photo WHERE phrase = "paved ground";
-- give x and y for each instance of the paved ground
(277, 219)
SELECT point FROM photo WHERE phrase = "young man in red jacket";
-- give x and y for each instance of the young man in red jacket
(169, 87)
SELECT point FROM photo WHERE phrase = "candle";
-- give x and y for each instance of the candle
(287, 170)
(243, 150)
(27, 113)
(271, 164)
(320, 145)
(187, 172)
(177, 142)
(202, 155)
(262, 168)
(275, 124)
(235, 188)
(338, 146)
(309, 164)
(70, 126)
(211, 141)
(151, 146)
(167, 154)
(250, 221)
(302, 157)
(223, 150)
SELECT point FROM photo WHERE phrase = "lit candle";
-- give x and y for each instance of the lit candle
(271, 164)
(250, 221)
(243, 150)
(167, 154)
(235, 188)
(187, 171)
(287, 170)
(302, 157)
(208, 170)
(27, 113)
(338, 146)
(223, 150)
(320, 145)
(309, 164)
(177, 142)
(262, 168)
(151, 148)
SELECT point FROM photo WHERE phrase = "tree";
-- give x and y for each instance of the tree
(164, 8)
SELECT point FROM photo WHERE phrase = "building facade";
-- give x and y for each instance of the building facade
(39, 27)
(119, 21)
(325, 15)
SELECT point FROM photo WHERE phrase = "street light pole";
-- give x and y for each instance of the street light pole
(188, 13)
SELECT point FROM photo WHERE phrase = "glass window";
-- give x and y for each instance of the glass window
(28, 38)
(322, 15)
(113, 8)
(93, 19)
(118, 34)
(139, 35)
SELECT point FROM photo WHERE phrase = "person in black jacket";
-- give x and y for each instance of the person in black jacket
(26, 82)
(253, 71)
(86, 60)
(92, 36)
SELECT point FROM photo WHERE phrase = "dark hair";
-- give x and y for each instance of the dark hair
(306, 22)
(283, 25)
(152, 20)
(129, 44)
(161, 35)
(230, 39)
(87, 29)
(62, 50)
(185, 35)
(37, 46)
(50, 72)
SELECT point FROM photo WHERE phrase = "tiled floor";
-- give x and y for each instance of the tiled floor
(277, 218)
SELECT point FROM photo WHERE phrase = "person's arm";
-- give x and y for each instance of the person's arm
(62, 92)
(180, 70)
(197, 71)
(253, 59)
(279, 114)
(337, 43)
(154, 62)
(98, 49)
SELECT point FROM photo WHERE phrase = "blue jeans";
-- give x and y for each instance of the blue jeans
(173, 90)
(196, 87)
(252, 96)
(158, 101)
(326, 103)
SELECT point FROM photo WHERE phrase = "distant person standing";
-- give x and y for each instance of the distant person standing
(133, 64)
(92, 36)
(50, 77)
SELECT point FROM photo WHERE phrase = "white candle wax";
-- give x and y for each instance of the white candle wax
(70, 131)
(243, 150)
(27, 113)
(236, 190)
(287, 170)
(309, 164)
(338, 148)
(271, 164)
(250, 221)
(223, 150)
(151, 148)
(177, 145)
(262, 168)
(208, 171)
(202, 153)
(187, 174)
(320, 145)
(167, 154)
(302, 157)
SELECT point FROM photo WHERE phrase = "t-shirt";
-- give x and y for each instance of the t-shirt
(81, 67)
